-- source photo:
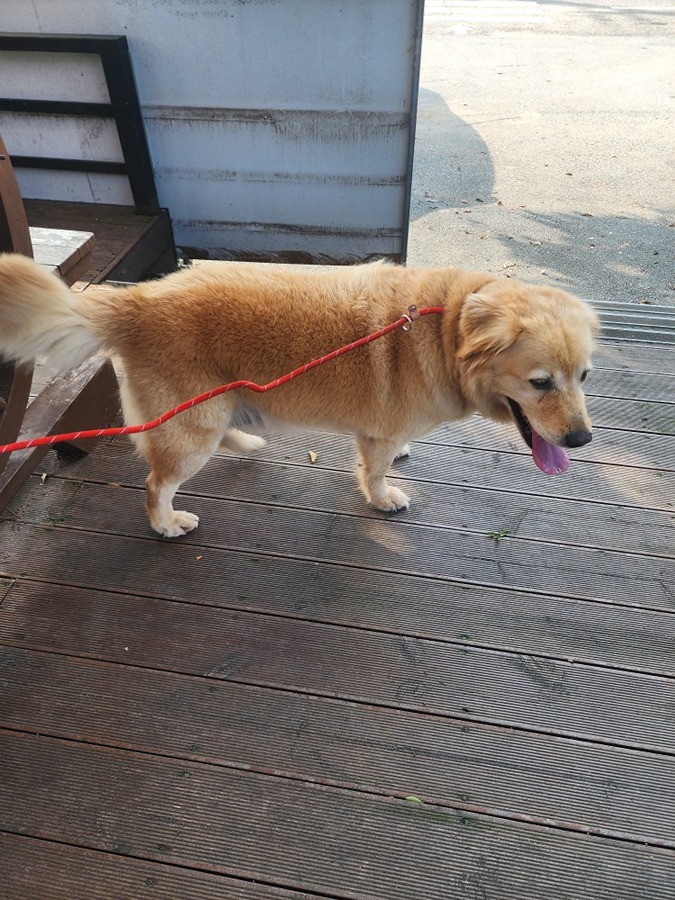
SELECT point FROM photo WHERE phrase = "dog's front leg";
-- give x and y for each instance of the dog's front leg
(375, 458)
(175, 454)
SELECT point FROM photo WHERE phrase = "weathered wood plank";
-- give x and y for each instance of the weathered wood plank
(579, 786)
(635, 415)
(305, 836)
(631, 385)
(30, 867)
(588, 523)
(503, 688)
(659, 359)
(385, 544)
(66, 253)
(527, 622)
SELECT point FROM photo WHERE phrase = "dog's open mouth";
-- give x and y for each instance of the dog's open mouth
(548, 457)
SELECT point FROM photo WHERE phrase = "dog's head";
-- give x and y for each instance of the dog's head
(525, 352)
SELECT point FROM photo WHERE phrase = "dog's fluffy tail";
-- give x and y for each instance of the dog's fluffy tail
(41, 318)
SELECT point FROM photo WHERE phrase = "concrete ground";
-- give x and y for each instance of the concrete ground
(546, 144)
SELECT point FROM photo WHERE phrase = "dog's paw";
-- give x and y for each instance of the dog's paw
(181, 523)
(403, 453)
(392, 500)
(253, 444)
(240, 442)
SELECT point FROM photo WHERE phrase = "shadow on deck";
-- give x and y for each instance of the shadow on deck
(305, 698)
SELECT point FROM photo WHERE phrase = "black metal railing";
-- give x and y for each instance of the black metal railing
(123, 108)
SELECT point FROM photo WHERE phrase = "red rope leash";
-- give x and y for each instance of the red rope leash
(404, 322)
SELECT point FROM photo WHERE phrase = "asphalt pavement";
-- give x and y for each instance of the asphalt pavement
(546, 144)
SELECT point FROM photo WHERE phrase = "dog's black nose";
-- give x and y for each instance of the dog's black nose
(578, 438)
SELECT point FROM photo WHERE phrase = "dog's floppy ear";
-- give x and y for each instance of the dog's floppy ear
(486, 325)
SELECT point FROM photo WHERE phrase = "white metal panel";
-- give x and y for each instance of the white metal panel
(50, 76)
(77, 187)
(285, 118)
(69, 138)
(61, 136)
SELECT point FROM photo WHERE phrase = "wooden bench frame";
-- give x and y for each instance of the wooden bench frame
(15, 381)
(86, 398)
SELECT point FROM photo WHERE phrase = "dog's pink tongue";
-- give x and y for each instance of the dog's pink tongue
(550, 459)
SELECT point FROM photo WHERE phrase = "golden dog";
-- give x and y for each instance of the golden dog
(508, 350)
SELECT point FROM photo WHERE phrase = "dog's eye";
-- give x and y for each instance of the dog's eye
(584, 376)
(542, 384)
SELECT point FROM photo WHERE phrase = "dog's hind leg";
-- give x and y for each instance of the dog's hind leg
(375, 458)
(175, 451)
(174, 457)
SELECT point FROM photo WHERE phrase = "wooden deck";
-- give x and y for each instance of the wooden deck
(305, 698)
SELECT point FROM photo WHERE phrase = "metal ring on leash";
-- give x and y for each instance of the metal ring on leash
(414, 314)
